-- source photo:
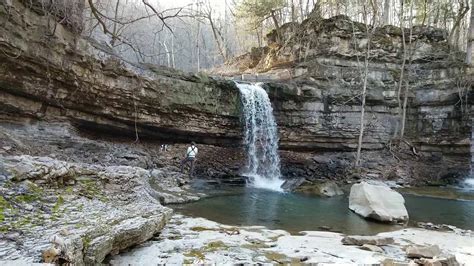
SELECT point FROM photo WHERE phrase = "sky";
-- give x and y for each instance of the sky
(218, 5)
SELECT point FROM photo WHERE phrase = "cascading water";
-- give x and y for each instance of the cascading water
(468, 182)
(261, 138)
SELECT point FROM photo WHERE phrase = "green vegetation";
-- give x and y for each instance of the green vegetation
(91, 189)
(195, 253)
(27, 198)
(215, 245)
(275, 256)
(256, 244)
(200, 229)
(4, 204)
(86, 241)
(257, 10)
(200, 253)
(59, 202)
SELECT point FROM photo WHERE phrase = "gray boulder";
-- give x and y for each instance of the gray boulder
(377, 202)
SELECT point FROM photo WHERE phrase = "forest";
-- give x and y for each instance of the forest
(200, 35)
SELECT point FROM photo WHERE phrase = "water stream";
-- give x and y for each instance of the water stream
(260, 138)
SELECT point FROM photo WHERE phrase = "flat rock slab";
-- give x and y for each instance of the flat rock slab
(367, 240)
(186, 240)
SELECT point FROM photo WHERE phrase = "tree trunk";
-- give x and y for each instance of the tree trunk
(369, 34)
(463, 9)
(168, 54)
(293, 11)
(198, 34)
(277, 26)
(114, 30)
(386, 12)
(218, 38)
(302, 15)
(362, 111)
(172, 51)
(407, 81)
(402, 70)
(470, 38)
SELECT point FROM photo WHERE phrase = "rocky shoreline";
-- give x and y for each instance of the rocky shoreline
(200, 241)
(59, 212)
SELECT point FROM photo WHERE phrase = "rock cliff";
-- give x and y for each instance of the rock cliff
(313, 77)
(51, 73)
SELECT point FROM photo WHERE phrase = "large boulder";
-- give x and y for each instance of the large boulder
(377, 202)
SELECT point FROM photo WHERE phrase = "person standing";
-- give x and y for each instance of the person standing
(190, 157)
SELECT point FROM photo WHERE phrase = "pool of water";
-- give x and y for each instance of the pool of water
(297, 212)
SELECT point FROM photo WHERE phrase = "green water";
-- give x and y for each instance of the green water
(296, 212)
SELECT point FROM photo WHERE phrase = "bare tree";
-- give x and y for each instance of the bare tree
(207, 13)
(463, 9)
(369, 31)
(407, 79)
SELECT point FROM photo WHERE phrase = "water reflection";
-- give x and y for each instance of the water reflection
(261, 206)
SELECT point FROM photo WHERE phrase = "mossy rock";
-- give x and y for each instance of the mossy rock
(277, 257)
(195, 253)
(215, 245)
(200, 229)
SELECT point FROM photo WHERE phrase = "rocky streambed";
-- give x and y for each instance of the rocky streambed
(67, 196)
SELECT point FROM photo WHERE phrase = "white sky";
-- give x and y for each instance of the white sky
(218, 5)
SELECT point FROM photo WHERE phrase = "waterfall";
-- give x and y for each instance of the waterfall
(469, 181)
(260, 138)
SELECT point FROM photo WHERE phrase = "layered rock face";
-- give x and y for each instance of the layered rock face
(49, 72)
(314, 78)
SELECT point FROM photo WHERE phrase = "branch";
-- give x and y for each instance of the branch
(160, 15)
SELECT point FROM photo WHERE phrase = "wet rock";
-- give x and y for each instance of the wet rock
(392, 262)
(372, 248)
(292, 184)
(423, 251)
(51, 255)
(369, 240)
(448, 260)
(324, 189)
(377, 202)
(14, 236)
